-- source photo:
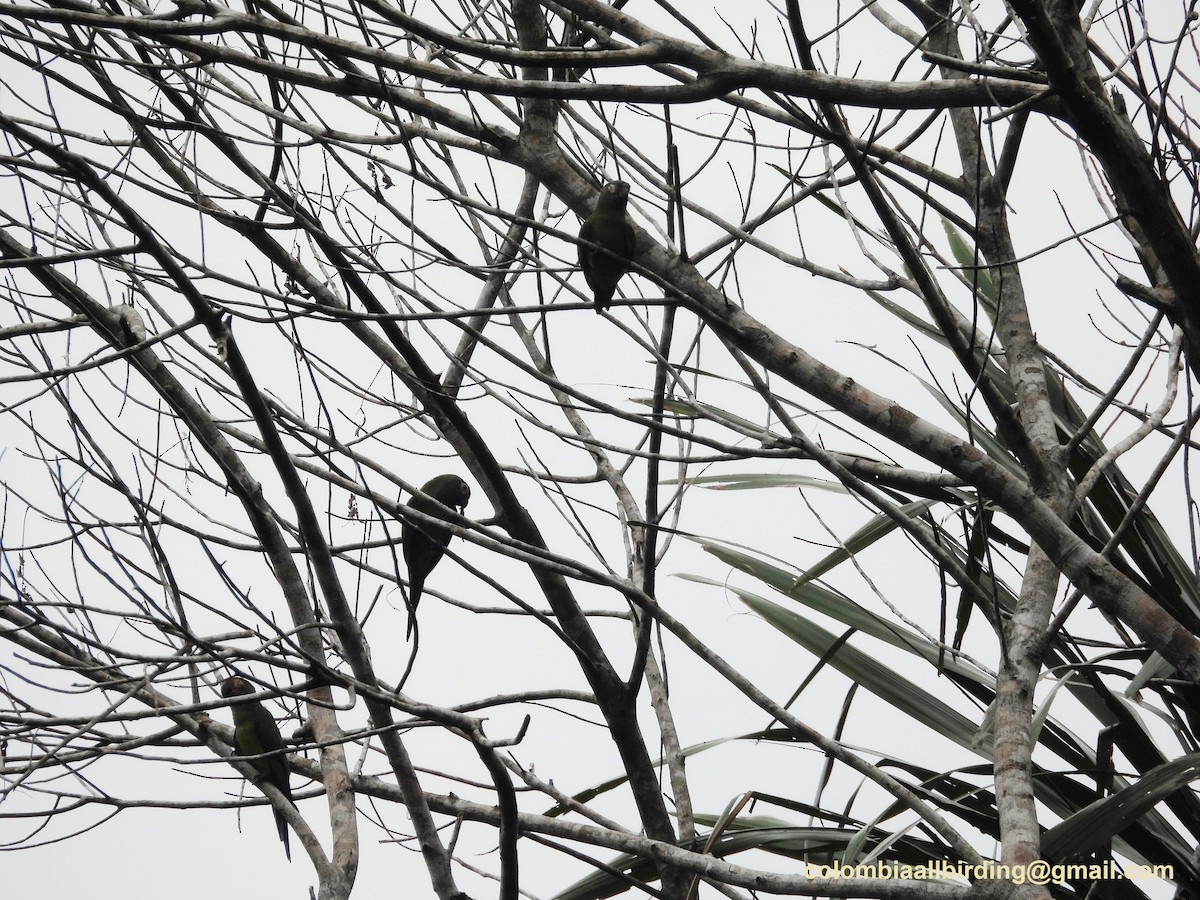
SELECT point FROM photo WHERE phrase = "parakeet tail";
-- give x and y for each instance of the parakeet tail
(281, 824)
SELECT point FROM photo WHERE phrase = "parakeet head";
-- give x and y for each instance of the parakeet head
(236, 686)
(613, 195)
(449, 490)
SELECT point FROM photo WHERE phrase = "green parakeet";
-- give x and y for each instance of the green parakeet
(255, 732)
(424, 542)
(609, 228)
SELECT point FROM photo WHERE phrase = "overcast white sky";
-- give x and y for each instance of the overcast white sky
(187, 854)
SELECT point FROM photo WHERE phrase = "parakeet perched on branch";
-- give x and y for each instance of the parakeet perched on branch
(610, 230)
(255, 732)
(425, 542)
